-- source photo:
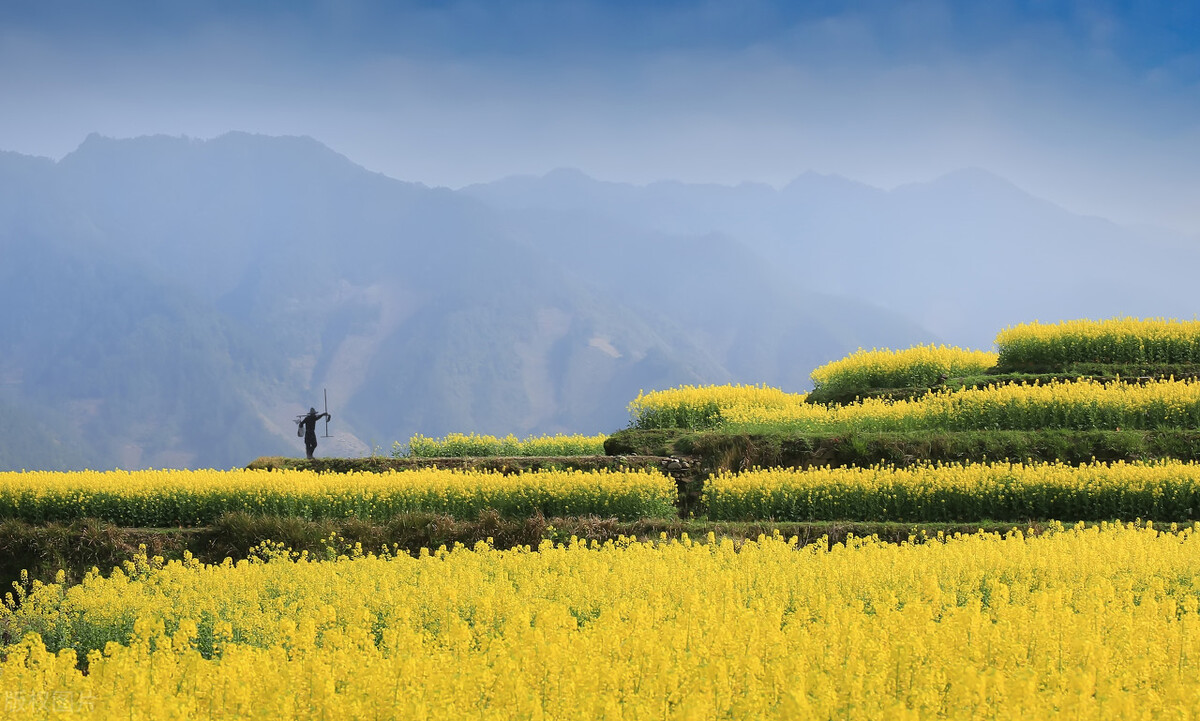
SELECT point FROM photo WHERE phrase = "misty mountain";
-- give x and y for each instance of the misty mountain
(964, 255)
(175, 302)
(178, 302)
(104, 365)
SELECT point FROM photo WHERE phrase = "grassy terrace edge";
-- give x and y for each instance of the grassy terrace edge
(502, 464)
(76, 547)
(717, 450)
(714, 450)
(1029, 374)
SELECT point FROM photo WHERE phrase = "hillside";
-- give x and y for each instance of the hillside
(105, 366)
(961, 254)
(179, 301)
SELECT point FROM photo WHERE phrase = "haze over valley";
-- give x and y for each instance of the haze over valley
(182, 300)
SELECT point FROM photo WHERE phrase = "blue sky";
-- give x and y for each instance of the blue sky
(1094, 105)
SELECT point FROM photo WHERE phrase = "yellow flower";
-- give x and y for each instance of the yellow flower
(1093, 623)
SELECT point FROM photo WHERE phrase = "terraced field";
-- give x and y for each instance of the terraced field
(937, 532)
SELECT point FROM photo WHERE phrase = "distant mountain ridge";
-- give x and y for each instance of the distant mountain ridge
(177, 302)
(964, 255)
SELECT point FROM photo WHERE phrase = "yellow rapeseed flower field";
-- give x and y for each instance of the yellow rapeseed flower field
(918, 366)
(174, 497)
(1117, 340)
(463, 445)
(1098, 623)
(1079, 405)
(1164, 490)
(704, 406)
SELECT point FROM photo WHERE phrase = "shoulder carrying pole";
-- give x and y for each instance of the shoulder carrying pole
(326, 390)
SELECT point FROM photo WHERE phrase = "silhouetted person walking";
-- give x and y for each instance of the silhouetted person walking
(310, 429)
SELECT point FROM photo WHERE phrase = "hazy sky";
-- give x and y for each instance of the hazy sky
(1095, 105)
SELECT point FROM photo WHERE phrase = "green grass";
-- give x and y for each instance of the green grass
(1000, 492)
(502, 464)
(1101, 373)
(42, 550)
(460, 445)
(732, 451)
